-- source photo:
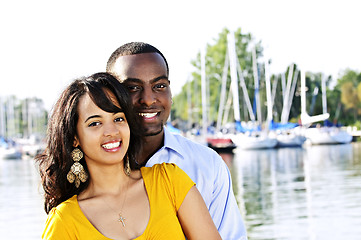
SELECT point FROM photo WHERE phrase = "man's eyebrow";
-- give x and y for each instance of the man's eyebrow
(137, 80)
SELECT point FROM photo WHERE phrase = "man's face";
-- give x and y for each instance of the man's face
(145, 76)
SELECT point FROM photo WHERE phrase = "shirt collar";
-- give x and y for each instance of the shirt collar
(171, 142)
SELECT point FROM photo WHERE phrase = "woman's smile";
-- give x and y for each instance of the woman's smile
(112, 146)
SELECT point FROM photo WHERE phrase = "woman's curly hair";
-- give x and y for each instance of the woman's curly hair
(55, 161)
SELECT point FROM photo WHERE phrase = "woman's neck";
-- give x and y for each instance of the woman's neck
(109, 180)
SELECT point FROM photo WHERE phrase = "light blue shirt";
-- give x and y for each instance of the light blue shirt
(212, 177)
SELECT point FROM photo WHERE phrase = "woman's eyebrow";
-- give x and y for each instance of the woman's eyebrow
(93, 116)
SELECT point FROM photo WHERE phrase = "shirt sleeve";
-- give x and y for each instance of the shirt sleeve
(178, 181)
(224, 209)
(55, 227)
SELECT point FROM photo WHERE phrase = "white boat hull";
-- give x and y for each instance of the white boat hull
(327, 135)
(286, 140)
(246, 141)
(10, 153)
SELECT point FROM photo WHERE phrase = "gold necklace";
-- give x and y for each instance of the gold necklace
(121, 217)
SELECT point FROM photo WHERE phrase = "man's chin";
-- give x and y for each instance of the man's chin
(153, 132)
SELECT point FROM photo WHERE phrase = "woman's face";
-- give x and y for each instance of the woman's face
(102, 136)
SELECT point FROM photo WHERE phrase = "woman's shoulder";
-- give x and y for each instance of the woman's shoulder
(59, 219)
(65, 208)
(71, 202)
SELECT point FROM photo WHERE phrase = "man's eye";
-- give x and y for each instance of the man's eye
(133, 88)
(161, 85)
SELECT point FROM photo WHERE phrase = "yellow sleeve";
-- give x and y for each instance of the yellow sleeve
(179, 182)
(55, 227)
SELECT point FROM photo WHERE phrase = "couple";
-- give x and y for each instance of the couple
(92, 170)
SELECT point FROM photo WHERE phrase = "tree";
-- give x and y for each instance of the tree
(348, 85)
(215, 59)
(343, 101)
(359, 91)
(349, 95)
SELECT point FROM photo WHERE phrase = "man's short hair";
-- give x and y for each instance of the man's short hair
(131, 49)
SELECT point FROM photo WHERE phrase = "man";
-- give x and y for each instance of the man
(144, 70)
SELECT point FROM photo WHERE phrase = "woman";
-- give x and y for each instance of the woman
(93, 189)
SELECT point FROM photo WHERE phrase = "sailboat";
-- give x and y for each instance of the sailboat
(8, 148)
(320, 135)
(218, 141)
(328, 135)
(251, 138)
(287, 134)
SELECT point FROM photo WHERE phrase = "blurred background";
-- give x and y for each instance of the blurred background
(260, 72)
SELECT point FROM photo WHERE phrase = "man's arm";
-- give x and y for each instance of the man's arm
(195, 219)
(224, 209)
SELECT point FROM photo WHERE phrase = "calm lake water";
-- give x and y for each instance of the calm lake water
(299, 193)
(291, 193)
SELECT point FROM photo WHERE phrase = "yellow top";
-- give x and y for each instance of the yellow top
(166, 186)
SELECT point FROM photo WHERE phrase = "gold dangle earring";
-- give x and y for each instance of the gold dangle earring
(127, 166)
(77, 172)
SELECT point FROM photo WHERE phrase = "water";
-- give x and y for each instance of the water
(299, 193)
(21, 210)
(292, 193)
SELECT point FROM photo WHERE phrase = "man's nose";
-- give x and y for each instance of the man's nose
(147, 97)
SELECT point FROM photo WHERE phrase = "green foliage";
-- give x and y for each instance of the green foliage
(343, 101)
(357, 124)
(359, 92)
(349, 86)
(215, 60)
(349, 95)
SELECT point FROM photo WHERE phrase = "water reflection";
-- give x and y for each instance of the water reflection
(21, 209)
(299, 193)
(291, 193)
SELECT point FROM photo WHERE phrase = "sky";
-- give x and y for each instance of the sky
(44, 45)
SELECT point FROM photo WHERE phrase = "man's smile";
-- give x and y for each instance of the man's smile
(148, 116)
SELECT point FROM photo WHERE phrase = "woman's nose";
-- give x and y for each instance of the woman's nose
(111, 129)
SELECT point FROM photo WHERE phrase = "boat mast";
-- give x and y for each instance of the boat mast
(242, 83)
(268, 92)
(290, 97)
(305, 118)
(324, 97)
(256, 86)
(223, 93)
(234, 79)
(204, 92)
(2, 118)
(274, 88)
(284, 115)
(190, 107)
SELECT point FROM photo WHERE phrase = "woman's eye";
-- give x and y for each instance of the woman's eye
(93, 124)
(119, 119)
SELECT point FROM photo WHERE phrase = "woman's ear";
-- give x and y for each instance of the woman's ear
(76, 142)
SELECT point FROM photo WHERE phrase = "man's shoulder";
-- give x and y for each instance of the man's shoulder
(191, 147)
(190, 143)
